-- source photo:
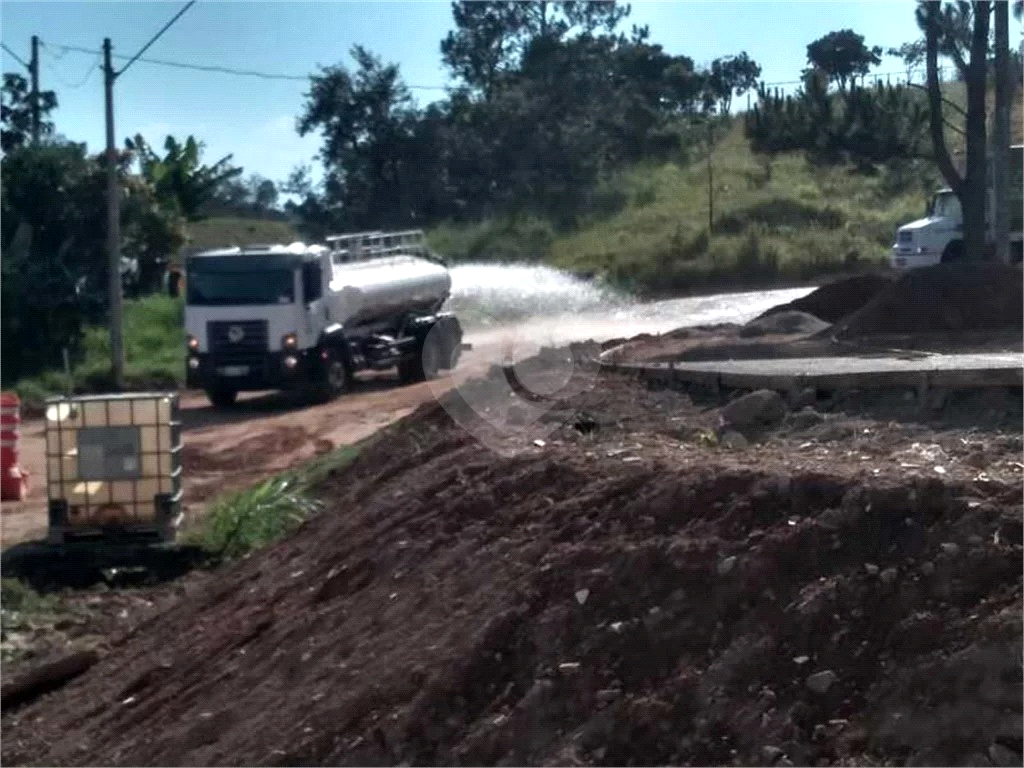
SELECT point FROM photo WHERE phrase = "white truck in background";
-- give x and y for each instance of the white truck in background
(310, 316)
(938, 238)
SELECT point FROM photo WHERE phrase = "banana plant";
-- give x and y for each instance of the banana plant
(179, 177)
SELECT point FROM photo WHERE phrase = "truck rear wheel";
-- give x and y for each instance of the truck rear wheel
(222, 397)
(431, 357)
(422, 367)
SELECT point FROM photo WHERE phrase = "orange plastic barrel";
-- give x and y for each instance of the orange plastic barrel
(13, 481)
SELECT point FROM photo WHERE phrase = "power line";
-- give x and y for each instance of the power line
(156, 37)
(214, 68)
(73, 86)
(15, 56)
(876, 75)
(281, 76)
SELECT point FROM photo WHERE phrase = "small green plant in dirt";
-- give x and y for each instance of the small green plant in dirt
(243, 521)
(18, 597)
(28, 618)
(250, 519)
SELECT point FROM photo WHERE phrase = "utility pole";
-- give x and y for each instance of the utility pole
(114, 203)
(33, 70)
(1000, 156)
(113, 227)
(711, 178)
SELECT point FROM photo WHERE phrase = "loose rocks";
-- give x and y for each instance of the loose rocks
(760, 410)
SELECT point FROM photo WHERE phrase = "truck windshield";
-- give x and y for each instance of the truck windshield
(946, 206)
(222, 289)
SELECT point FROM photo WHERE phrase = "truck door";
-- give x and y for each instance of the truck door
(312, 299)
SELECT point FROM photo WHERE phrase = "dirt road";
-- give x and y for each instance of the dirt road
(268, 433)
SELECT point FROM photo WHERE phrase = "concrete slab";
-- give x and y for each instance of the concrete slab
(920, 372)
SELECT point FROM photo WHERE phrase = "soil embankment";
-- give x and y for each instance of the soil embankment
(626, 591)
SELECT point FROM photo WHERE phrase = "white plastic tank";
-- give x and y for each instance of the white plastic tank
(114, 460)
(379, 287)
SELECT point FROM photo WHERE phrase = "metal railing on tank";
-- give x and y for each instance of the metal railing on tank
(374, 244)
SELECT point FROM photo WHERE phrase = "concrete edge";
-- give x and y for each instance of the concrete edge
(920, 381)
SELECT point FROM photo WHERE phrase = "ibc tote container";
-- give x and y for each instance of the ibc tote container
(113, 466)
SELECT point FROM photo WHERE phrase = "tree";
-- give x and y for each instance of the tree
(491, 37)
(266, 195)
(16, 112)
(179, 177)
(729, 76)
(912, 55)
(367, 120)
(944, 30)
(843, 57)
(1001, 133)
(53, 236)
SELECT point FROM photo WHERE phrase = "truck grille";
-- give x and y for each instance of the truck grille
(243, 341)
(906, 236)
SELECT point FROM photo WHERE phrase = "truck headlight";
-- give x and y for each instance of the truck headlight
(193, 343)
(289, 341)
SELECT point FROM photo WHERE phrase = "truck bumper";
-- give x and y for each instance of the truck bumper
(276, 370)
(912, 258)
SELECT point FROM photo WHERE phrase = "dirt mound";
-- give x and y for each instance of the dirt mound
(787, 322)
(948, 298)
(580, 605)
(834, 301)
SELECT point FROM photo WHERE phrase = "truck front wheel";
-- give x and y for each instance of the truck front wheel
(222, 397)
(335, 381)
(954, 252)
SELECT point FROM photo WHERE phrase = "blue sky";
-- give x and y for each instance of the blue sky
(254, 119)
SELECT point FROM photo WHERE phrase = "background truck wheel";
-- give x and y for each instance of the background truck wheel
(222, 397)
(954, 252)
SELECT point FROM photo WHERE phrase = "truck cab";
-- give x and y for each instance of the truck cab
(926, 241)
(253, 317)
(938, 237)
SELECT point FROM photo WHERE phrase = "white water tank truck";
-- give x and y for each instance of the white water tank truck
(311, 316)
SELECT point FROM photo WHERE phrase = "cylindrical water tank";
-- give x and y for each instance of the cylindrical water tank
(379, 287)
(13, 481)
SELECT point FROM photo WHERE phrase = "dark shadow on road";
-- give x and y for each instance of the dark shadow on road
(262, 404)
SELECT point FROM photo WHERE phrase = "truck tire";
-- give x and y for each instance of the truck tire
(407, 370)
(954, 252)
(426, 365)
(336, 379)
(222, 397)
(433, 350)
